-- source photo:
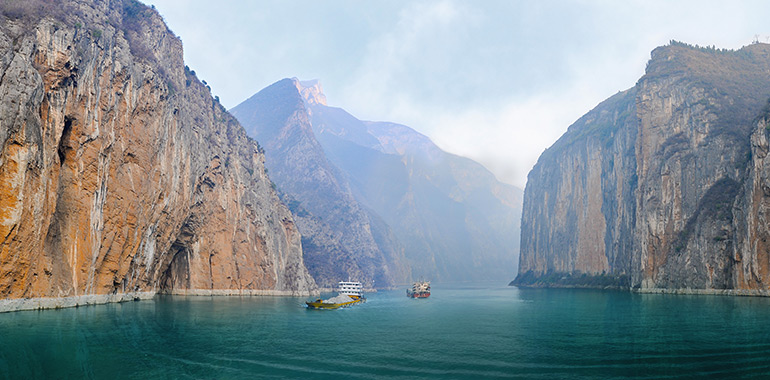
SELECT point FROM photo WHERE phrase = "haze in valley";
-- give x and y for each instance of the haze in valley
(496, 81)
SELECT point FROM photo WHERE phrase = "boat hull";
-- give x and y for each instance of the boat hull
(319, 304)
(420, 289)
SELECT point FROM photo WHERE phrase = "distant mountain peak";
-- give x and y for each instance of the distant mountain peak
(402, 140)
(311, 91)
(379, 201)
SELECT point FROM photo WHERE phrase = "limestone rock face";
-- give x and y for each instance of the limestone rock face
(119, 172)
(311, 91)
(661, 186)
(751, 225)
(582, 221)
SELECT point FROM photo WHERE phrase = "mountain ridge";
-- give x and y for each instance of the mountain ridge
(337, 232)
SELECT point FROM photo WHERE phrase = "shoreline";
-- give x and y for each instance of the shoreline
(706, 292)
(679, 291)
(240, 292)
(53, 303)
(46, 303)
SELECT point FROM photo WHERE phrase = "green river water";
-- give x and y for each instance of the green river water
(480, 331)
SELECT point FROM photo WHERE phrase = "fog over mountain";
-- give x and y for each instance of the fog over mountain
(422, 212)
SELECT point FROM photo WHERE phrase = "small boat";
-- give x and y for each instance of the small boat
(420, 289)
(350, 293)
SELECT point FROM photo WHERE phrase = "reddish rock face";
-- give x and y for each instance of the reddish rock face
(120, 173)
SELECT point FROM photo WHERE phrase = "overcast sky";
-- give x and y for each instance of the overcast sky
(496, 81)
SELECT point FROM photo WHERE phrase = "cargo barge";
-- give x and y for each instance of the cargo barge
(349, 294)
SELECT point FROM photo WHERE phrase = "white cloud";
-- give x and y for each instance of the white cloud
(506, 139)
(414, 54)
(497, 81)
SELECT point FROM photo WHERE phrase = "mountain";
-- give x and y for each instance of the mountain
(341, 239)
(456, 221)
(448, 217)
(661, 187)
(120, 175)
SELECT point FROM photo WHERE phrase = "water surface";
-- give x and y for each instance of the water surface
(462, 332)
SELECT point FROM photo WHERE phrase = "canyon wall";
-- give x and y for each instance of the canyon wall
(578, 204)
(660, 188)
(121, 176)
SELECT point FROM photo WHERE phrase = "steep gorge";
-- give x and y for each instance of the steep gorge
(120, 175)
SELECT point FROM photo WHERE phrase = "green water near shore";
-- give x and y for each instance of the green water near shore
(461, 332)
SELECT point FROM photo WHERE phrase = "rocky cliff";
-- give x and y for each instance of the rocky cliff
(660, 188)
(120, 175)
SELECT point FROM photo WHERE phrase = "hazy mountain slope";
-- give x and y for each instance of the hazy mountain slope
(339, 238)
(120, 176)
(659, 187)
(455, 220)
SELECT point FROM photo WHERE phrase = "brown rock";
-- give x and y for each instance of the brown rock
(118, 171)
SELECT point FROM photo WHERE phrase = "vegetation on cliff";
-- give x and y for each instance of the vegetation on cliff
(531, 279)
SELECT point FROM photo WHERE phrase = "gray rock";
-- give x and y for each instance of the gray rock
(663, 183)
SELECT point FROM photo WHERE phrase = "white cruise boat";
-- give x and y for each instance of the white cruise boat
(350, 288)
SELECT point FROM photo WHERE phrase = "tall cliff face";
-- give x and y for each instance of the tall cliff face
(664, 194)
(118, 171)
(342, 240)
(578, 203)
(752, 222)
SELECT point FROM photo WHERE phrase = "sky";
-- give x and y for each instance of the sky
(495, 81)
